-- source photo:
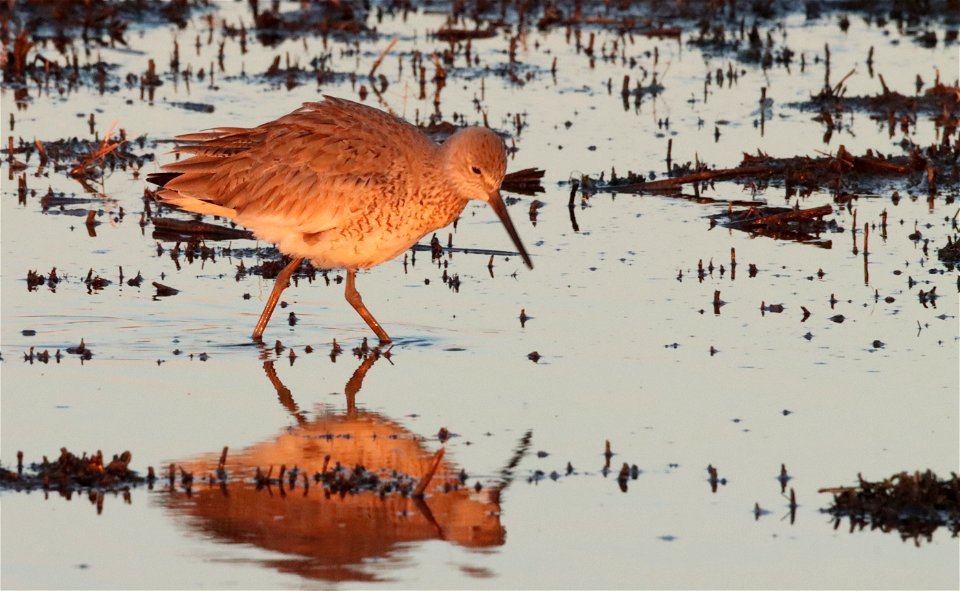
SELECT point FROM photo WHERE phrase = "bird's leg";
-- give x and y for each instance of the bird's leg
(282, 282)
(353, 296)
(356, 381)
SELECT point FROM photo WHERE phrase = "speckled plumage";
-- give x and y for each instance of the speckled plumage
(343, 184)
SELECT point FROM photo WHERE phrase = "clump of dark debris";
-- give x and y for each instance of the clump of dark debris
(73, 473)
(84, 158)
(843, 173)
(940, 100)
(780, 223)
(273, 26)
(64, 17)
(915, 504)
(951, 252)
(339, 479)
(269, 269)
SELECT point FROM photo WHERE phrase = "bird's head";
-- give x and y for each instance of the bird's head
(475, 162)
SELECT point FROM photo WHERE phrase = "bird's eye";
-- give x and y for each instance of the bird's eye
(475, 169)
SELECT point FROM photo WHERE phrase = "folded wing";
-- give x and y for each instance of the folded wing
(302, 171)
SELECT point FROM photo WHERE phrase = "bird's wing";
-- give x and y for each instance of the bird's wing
(302, 168)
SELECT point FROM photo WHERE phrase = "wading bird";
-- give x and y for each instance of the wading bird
(345, 185)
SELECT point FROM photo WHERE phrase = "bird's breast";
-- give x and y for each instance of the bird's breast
(375, 225)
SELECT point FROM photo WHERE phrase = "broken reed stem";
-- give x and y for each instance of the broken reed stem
(866, 237)
(425, 480)
(223, 457)
(763, 110)
(105, 148)
(853, 233)
(383, 54)
(836, 89)
(574, 186)
(706, 176)
(40, 150)
(792, 215)
(883, 84)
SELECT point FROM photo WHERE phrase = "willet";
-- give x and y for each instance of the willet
(343, 184)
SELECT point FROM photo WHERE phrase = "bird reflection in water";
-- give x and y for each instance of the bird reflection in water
(328, 532)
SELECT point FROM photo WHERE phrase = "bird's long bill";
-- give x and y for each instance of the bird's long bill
(500, 208)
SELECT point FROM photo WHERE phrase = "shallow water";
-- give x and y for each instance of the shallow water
(625, 347)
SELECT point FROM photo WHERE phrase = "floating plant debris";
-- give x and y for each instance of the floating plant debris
(524, 182)
(176, 230)
(939, 99)
(951, 252)
(99, 16)
(914, 505)
(781, 223)
(72, 473)
(83, 158)
(273, 26)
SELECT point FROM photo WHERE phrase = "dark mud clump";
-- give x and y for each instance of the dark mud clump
(914, 505)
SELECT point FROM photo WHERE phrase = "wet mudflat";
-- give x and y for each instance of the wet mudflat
(742, 258)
